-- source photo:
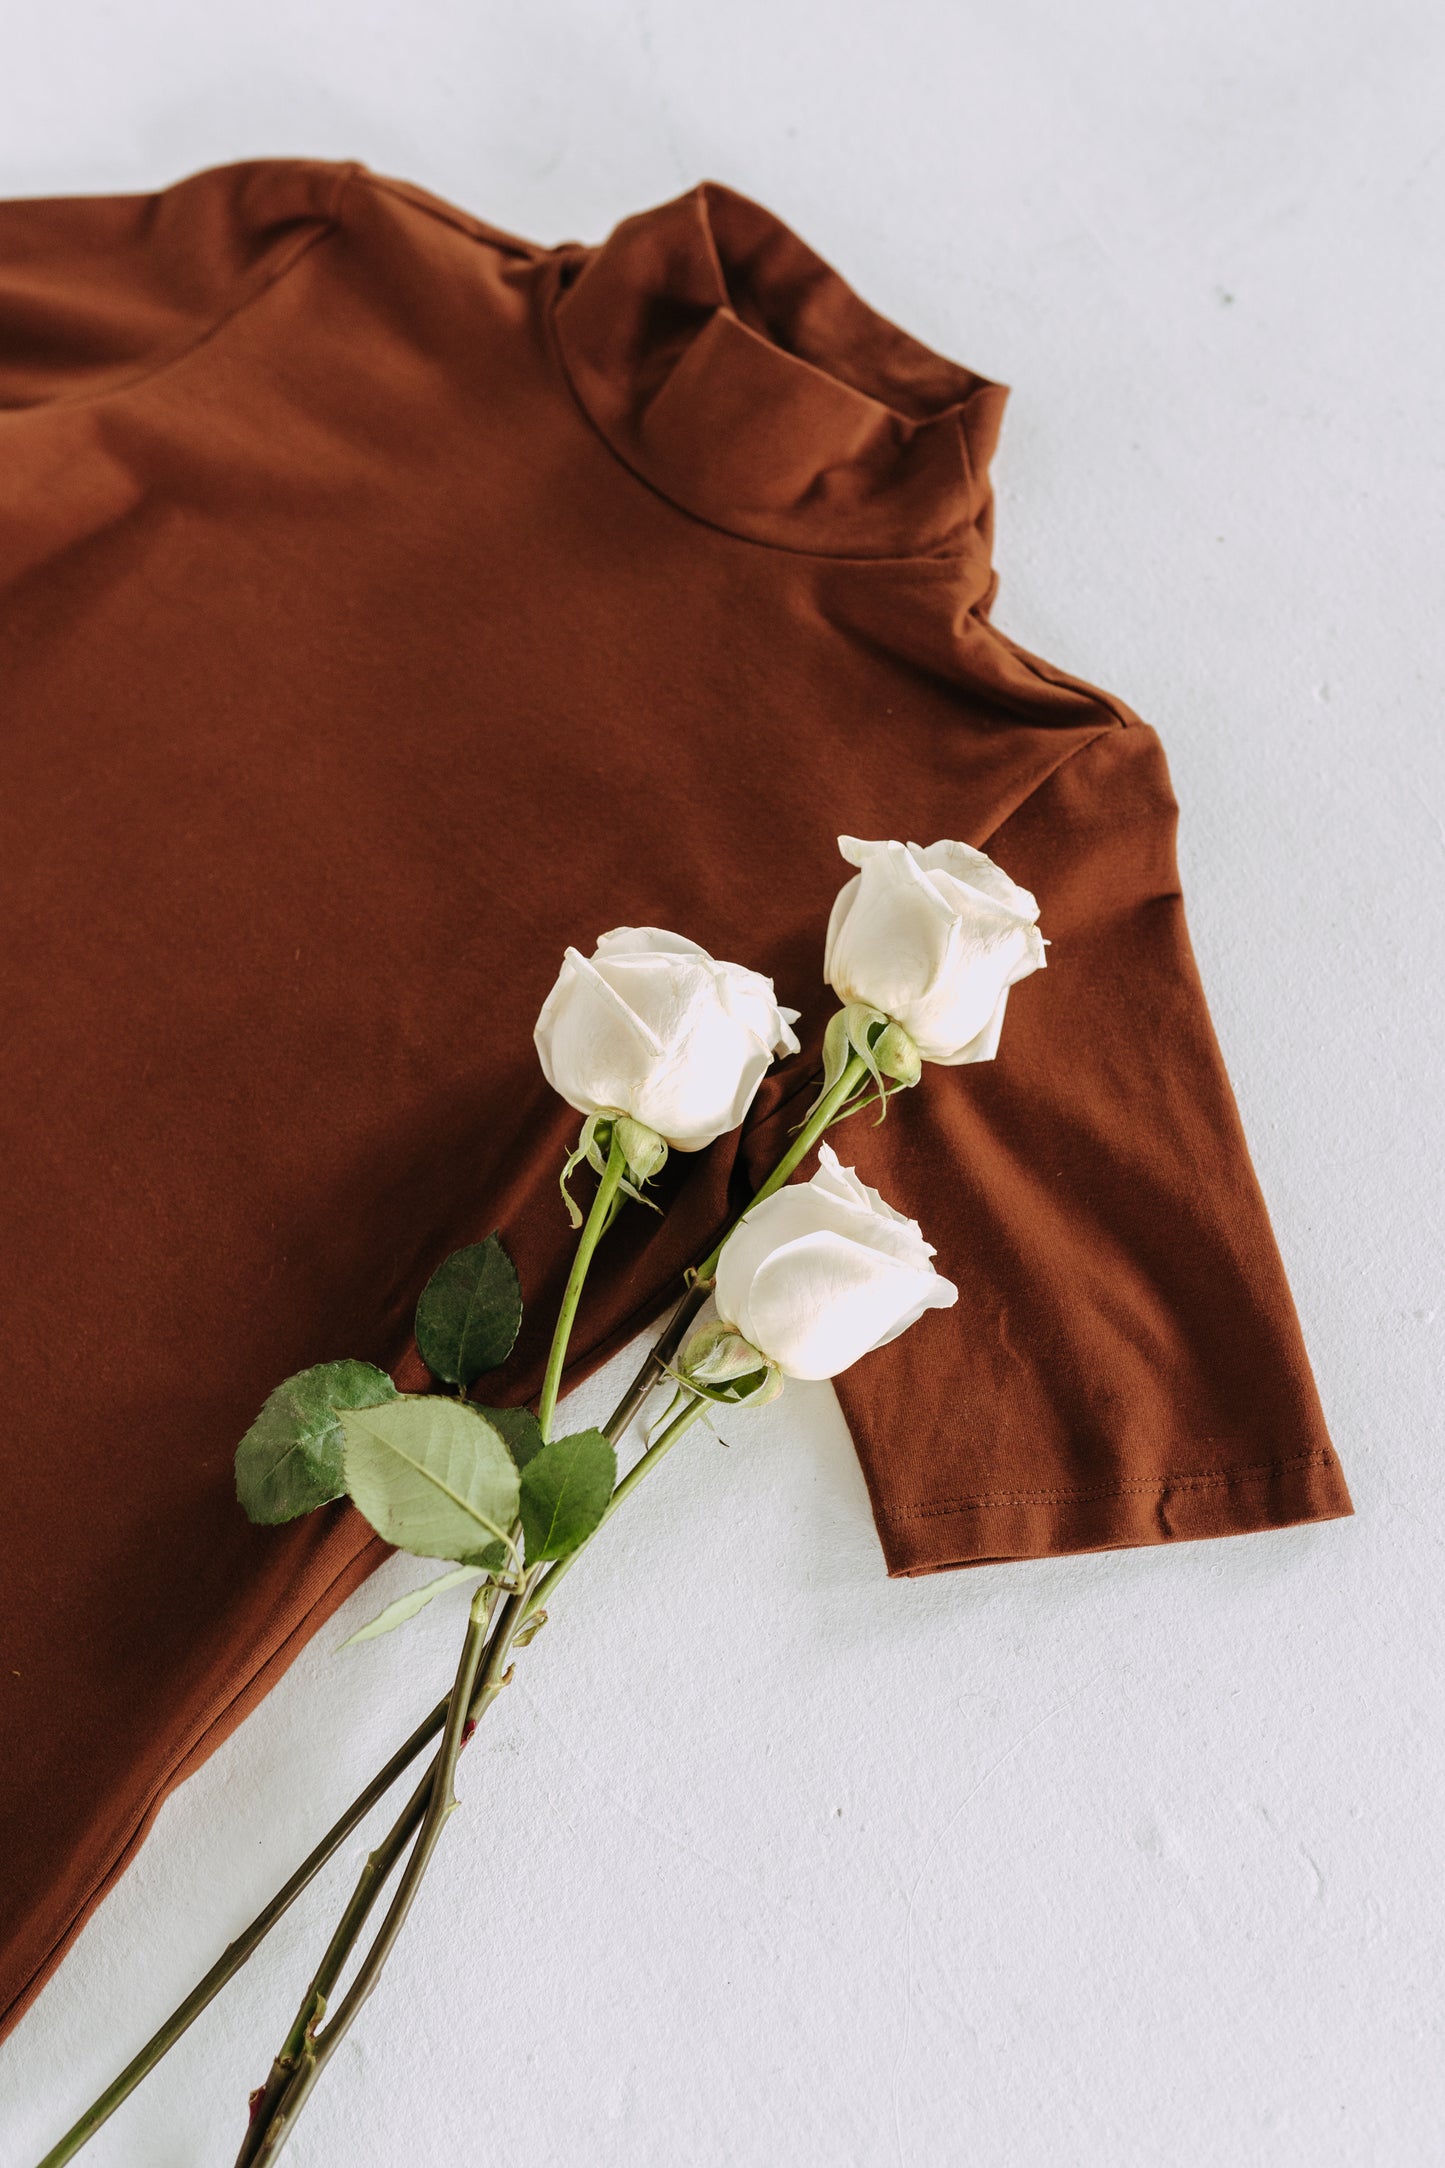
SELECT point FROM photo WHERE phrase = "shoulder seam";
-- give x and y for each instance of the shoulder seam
(448, 214)
(1050, 674)
(1108, 730)
(344, 180)
(262, 278)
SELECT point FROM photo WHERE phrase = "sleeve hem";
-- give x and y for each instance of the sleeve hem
(930, 1537)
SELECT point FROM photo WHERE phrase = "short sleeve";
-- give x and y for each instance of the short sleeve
(97, 289)
(1124, 1365)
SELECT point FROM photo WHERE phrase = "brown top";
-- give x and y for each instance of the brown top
(388, 602)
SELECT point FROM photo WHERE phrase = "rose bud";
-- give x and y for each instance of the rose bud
(652, 1027)
(823, 1272)
(934, 938)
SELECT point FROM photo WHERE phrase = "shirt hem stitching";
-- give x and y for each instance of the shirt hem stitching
(1201, 1479)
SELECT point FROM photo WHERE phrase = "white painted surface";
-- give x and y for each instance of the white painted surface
(1131, 1859)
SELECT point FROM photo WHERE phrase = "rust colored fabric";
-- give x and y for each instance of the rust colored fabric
(385, 602)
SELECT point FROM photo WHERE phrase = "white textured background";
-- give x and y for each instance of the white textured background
(765, 1859)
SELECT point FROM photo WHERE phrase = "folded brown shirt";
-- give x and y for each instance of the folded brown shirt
(386, 602)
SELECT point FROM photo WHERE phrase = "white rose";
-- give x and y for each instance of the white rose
(934, 938)
(651, 1026)
(823, 1272)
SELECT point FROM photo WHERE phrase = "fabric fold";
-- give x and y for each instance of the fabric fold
(739, 374)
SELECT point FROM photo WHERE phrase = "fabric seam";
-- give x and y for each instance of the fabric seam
(258, 283)
(1051, 674)
(454, 215)
(1202, 1479)
(1105, 731)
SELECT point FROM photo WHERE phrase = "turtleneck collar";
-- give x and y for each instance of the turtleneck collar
(739, 374)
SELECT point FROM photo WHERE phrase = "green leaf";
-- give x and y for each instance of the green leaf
(566, 1490)
(469, 1313)
(520, 1428)
(433, 1477)
(407, 1606)
(290, 1459)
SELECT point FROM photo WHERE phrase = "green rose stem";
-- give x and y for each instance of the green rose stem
(271, 2127)
(245, 1945)
(236, 1953)
(833, 1107)
(587, 1242)
(374, 1877)
(305, 2052)
(682, 1421)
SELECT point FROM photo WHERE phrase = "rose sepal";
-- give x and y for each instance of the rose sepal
(880, 1042)
(643, 1151)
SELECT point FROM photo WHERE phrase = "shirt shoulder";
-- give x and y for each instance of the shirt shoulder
(410, 197)
(98, 290)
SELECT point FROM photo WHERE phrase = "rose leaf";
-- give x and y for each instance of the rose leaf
(433, 1477)
(469, 1313)
(290, 1459)
(566, 1490)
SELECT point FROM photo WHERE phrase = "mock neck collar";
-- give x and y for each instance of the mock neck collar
(740, 375)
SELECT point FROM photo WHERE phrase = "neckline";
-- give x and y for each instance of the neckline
(739, 375)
